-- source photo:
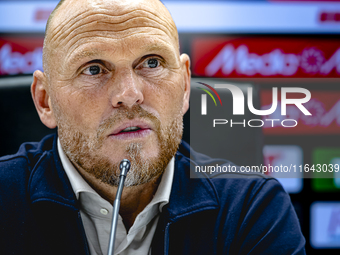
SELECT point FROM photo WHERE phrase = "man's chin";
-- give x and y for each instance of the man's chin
(150, 143)
(141, 171)
(130, 150)
(101, 157)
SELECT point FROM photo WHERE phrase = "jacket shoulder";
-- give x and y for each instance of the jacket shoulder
(228, 180)
(15, 167)
(250, 205)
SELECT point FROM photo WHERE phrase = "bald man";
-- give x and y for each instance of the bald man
(116, 86)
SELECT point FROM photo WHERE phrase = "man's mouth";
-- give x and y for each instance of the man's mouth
(131, 131)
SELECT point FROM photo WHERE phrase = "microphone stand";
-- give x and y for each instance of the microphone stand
(124, 168)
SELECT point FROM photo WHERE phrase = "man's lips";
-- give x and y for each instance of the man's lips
(131, 129)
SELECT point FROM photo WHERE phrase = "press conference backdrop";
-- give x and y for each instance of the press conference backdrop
(20, 121)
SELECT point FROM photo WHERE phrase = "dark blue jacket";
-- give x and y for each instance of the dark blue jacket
(39, 213)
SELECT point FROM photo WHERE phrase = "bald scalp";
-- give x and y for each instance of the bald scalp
(65, 11)
(45, 51)
(52, 14)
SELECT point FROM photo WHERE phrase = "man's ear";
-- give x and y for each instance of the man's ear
(185, 62)
(42, 99)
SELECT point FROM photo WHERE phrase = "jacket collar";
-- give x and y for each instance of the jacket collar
(49, 182)
(189, 195)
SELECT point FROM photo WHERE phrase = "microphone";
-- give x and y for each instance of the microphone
(124, 168)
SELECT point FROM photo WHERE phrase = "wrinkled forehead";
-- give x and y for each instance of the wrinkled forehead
(115, 19)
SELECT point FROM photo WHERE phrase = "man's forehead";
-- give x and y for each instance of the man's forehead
(77, 22)
(117, 7)
(71, 9)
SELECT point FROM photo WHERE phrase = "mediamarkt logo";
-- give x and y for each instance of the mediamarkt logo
(238, 105)
(311, 61)
(12, 62)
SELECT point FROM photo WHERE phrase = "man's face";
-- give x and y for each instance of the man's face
(118, 87)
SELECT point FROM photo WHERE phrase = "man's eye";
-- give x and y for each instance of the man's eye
(92, 70)
(151, 63)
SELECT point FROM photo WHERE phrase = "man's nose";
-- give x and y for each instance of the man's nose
(127, 90)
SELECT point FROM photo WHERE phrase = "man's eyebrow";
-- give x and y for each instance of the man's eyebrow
(84, 54)
(95, 53)
(154, 47)
(158, 48)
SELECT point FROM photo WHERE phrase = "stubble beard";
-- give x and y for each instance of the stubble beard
(82, 149)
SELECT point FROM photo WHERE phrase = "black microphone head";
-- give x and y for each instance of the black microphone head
(124, 166)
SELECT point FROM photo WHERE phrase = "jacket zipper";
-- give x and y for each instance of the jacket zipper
(166, 239)
(82, 230)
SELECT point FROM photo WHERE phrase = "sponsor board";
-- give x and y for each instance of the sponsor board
(266, 57)
(285, 155)
(324, 107)
(325, 225)
(20, 55)
(325, 157)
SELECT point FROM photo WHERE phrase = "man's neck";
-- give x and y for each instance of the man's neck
(134, 199)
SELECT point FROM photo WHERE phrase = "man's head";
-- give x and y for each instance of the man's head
(115, 85)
